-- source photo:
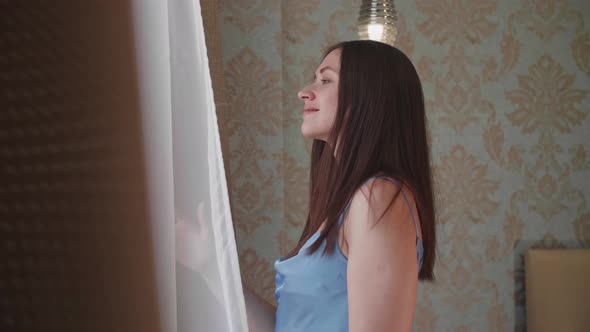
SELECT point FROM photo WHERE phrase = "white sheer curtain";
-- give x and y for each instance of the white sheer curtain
(199, 285)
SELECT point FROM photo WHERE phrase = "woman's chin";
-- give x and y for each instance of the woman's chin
(307, 133)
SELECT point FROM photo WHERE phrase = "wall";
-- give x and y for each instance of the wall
(507, 89)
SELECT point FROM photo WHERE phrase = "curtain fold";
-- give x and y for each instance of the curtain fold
(209, 288)
(211, 26)
(197, 269)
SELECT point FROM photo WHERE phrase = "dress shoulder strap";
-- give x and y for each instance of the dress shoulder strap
(407, 201)
(348, 204)
(405, 197)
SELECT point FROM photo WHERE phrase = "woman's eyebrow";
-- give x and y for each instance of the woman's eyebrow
(324, 68)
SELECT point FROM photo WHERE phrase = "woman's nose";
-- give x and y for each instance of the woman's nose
(305, 94)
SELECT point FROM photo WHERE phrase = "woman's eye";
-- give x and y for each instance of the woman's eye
(313, 81)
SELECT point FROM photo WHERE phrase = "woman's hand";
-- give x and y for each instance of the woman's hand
(194, 245)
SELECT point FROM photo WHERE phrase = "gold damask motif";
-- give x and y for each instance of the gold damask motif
(464, 188)
(464, 286)
(296, 189)
(245, 159)
(545, 18)
(546, 98)
(255, 202)
(510, 49)
(298, 20)
(285, 240)
(258, 274)
(295, 181)
(456, 21)
(493, 139)
(348, 12)
(459, 104)
(248, 15)
(581, 51)
(425, 310)
(425, 70)
(548, 195)
(254, 93)
(547, 103)
(580, 160)
(496, 318)
(582, 226)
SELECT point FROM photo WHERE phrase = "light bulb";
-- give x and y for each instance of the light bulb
(377, 21)
(375, 31)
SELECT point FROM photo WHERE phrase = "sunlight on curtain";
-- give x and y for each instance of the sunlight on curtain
(197, 269)
(209, 290)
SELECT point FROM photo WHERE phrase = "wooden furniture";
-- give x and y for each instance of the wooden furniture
(558, 290)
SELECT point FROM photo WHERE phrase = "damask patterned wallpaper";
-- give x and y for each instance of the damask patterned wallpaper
(507, 88)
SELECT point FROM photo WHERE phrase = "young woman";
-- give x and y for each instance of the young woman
(370, 232)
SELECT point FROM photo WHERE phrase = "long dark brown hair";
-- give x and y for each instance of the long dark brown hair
(380, 127)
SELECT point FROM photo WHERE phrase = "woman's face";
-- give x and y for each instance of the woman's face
(321, 95)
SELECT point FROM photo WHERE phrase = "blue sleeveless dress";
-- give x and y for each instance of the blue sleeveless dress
(311, 290)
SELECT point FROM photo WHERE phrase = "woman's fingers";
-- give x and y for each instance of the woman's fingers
(203, 226)
(192, 240)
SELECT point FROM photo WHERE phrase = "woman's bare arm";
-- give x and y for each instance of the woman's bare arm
(261, 314)
(382, 266)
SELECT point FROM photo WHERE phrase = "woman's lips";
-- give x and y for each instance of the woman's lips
(309, 110)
